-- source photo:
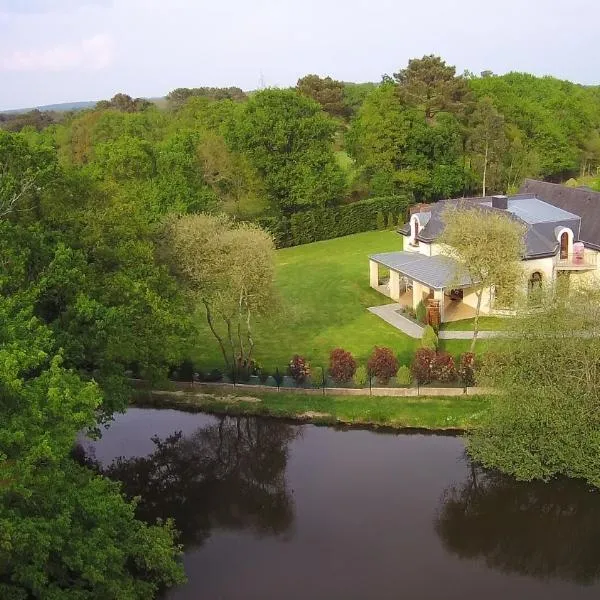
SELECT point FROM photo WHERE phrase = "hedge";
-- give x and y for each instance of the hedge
(337, 221)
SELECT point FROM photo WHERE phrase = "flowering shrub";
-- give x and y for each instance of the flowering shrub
(443, 369)
(299, 369)
(342, 365)
(422, 365)
(382, 364)
(466, 369)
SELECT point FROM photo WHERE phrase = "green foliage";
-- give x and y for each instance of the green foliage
(361, 376)
(327, 223)
(429, 339)
(421, 312)
(288, 140)
(317, 376)
(545, 421)
(404, 376)
(328, 92)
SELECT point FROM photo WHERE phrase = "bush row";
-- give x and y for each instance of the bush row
(429, 365)
(336, 221)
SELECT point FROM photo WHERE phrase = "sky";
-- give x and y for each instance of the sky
(68, 50)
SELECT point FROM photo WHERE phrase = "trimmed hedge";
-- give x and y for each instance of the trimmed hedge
(337, 221)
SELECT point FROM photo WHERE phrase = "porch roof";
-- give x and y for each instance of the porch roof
(437, 272)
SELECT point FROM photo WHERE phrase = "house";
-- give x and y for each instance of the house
(562, 242)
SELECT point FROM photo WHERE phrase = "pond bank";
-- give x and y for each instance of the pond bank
(427, 413)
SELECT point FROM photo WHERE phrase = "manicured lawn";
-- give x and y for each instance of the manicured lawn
(324, 290)
(485, 324)
(422, 412)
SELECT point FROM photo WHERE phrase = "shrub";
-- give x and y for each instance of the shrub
(429, 338)
(382, 364)
(466, 369)
(299, 369)
(361, 376)
(422, 365)
(317, 376)
(421, 312)
(391, 221)
(214, 375)
(404, 376)
(278, 377)
(380, 220)
(443, 370)
(342, 365)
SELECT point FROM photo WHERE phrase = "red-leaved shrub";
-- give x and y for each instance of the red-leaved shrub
(466, 369)
(422, 365)
(443, 369)
(382, 364)
(342, 365)
(299, 369)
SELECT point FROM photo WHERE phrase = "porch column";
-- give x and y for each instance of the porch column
(439, 296)
(417, 294)
(394, 285)
(373, 274)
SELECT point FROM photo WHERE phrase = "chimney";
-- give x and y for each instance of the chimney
(500, 202)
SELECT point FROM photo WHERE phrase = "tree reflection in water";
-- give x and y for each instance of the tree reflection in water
(227, 475)
(544, 530)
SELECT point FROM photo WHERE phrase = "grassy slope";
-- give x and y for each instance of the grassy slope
(421, 412)
(325, 291)
(485, 324)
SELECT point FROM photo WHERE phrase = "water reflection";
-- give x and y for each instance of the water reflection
(227, 475)
(543, 530)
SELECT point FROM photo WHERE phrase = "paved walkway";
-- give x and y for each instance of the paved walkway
(389, 313)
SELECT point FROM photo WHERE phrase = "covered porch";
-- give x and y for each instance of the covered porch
(415, 278)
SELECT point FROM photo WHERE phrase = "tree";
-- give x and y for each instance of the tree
(179, 96)
(229, 269)
(64, 532)
(487, 247)
(432, 86)
(288, 141)
(487, 142)
(124, 103)
(545, 421)
(328, 92)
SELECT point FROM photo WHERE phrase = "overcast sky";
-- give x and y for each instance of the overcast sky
(67, 50)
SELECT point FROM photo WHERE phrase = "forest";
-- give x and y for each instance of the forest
(88, 295)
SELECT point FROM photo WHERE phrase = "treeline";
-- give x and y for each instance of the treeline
(423, 132)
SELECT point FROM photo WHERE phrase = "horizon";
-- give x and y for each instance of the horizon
(64, 51)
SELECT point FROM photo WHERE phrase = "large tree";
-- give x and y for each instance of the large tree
(487, 247)
(487, 144)
(229, 269)
(546, 419)
(328, 92)
(432, 86)
(288, 140)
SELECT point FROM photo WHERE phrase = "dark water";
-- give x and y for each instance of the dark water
(270, 510)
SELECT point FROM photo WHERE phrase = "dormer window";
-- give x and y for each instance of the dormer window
(564, 236)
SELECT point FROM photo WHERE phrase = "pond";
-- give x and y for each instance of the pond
(272, 510)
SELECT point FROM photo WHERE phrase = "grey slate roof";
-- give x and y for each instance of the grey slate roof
(539, 216)
(582, 202)
(437, 272)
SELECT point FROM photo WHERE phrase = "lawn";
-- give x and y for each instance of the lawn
(485, 324)
(421, 412)
(324, 291)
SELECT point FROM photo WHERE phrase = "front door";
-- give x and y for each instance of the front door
(564, 246)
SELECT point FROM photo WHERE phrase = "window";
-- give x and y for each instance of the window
(564, 245)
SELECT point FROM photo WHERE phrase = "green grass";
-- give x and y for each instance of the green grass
(485, 324)
(324, 291)
(418, 412)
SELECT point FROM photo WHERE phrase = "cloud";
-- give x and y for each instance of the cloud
(96, 52)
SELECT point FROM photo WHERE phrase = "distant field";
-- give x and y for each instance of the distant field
(325, 291)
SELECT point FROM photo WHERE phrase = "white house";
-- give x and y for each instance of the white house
(562, 240)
